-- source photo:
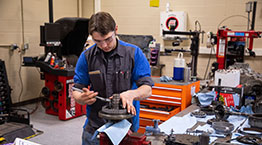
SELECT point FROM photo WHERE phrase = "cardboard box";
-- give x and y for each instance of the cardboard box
(229, 78)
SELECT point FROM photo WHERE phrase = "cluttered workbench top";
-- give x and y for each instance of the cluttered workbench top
(188, 127)
(226, 110)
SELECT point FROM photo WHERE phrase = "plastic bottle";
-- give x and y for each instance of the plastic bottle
(48, 56)
(52, 61)
(179, 66)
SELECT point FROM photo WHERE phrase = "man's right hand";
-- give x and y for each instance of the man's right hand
(86, 97)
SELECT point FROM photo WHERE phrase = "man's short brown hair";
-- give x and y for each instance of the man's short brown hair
(101, 22)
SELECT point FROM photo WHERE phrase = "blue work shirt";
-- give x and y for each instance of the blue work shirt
(101, 72)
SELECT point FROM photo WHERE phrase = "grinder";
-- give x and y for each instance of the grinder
(114, 110)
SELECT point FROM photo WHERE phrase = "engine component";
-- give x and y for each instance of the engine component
(257, 107)
(255, 120)
(222, 127)
(114, 110)
(186, 139)
(221, 112)
(251, 131)
(181, 139)
(193, 130)
(198, 114)
(209, 110)
(210, 121)
(170, 138)
(249, 140)
(251, 80)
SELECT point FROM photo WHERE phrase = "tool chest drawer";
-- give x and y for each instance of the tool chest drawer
(164, 95)
(157, 114)
(167, 100)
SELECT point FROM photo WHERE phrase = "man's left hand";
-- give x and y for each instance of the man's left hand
(127, 98)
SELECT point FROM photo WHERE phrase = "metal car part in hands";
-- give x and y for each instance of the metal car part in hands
(114, 110)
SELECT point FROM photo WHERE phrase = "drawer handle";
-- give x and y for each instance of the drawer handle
(142, 127)
(175, 98)
(154, 111)
(151, 120)
(156, 100)
(145, 119)
(172, 89)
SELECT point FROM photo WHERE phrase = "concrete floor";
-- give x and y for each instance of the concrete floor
(56, 132)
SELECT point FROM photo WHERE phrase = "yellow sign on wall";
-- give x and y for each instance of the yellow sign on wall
(154, 3)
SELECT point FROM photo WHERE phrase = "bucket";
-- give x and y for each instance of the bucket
(179, 66)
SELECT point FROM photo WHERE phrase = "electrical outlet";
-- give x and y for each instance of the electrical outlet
(13, 47)
(25, 47)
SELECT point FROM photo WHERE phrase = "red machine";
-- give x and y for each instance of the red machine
(63, 42)
(231, 46)
(58, 98)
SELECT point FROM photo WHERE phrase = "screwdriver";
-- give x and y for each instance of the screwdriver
(97, 97)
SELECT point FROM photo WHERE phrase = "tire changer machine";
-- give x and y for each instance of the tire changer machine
(63, 41)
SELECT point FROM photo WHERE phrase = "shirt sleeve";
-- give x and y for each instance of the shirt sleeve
(141, 72)
(81, 77)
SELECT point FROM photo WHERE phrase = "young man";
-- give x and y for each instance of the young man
(99, 67)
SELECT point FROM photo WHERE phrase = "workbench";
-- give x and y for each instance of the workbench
(159, 139)
(183, 121)
(167, 99)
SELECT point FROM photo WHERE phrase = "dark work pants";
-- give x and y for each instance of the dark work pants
(86, 139)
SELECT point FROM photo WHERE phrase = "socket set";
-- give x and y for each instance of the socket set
(5, 93)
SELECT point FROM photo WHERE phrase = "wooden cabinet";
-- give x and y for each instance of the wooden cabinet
(167, 99)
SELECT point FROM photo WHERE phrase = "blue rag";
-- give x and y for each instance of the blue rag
(116, 132)
(165, 79)
(206, 99)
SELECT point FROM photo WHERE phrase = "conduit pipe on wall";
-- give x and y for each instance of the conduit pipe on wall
(97, 6)
(79, 8)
